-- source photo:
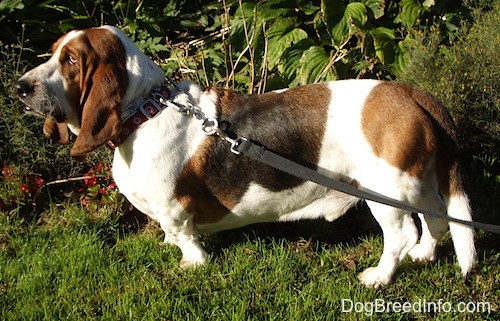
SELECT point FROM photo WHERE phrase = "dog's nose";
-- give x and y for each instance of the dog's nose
(24, 88)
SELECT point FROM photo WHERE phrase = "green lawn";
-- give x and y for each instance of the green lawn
(70, 264)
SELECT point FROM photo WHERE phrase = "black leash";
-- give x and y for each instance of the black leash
(241, 145)
(263, 155)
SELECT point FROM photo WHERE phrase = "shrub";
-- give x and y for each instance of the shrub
(264, 45)
(18, 189)
(99, 188)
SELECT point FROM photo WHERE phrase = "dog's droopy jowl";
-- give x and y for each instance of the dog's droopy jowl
(387, 137)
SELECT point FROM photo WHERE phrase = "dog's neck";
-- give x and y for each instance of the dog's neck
(142, 109)
(162, 91)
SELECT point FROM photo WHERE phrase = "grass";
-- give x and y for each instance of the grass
(70, 264)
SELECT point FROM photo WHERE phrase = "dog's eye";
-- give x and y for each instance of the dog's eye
(71, 60)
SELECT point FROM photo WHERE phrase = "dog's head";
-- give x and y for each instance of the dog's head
(90, 77)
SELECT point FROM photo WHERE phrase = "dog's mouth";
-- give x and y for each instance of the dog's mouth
(56, 113)
(32, 111)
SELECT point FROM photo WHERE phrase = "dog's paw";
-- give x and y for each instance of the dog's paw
(372, 278)
(193, 261)
(420, 253)
(186, 263)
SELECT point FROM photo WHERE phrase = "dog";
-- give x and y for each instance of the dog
(385, 136)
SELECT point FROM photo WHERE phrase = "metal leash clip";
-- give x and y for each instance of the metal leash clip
(235, 143)
(209, 126)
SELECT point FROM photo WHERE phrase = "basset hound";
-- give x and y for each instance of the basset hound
(385, 136)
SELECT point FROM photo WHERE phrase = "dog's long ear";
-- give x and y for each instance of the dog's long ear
(103, 82)
(57, 132)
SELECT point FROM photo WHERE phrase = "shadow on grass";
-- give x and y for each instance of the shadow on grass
(350, 229)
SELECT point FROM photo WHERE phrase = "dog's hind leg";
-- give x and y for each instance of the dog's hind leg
(399, 230)
(432, 228)
(400, 235)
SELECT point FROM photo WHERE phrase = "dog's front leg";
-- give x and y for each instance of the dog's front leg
(181, 231)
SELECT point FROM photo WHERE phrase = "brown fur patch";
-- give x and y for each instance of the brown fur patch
(398, 128)
(193, 194)
(58, 132)
(407, 127)
(291, 123)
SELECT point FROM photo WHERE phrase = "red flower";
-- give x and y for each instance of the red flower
(24, 188)
(103, 190)
(39, 181)
(6, 172)
(90, 181)
(112, 186)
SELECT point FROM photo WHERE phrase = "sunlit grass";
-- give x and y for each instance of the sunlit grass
(95, 267)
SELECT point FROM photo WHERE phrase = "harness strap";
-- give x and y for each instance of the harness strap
(263, 155)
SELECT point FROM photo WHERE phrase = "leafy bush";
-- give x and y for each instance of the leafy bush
(99, 189)
(465, 76)
(17, 189)
(281, 43)
(245, 44)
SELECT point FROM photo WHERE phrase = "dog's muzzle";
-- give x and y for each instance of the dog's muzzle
(24, 88)
(33, 103)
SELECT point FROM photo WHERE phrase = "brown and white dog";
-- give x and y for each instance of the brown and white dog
(384, 136)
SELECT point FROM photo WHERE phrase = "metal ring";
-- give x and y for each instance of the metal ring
(210, 126)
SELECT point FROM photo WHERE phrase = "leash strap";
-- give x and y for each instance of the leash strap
(265, 156)
(244, 146)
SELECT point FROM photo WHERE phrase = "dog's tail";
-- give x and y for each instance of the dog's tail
(458, 206)
(450, 179)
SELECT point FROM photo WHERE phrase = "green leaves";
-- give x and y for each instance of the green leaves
(383, 42)
(341, 39)
(291, 61)
(292, 53)
(412, 10)
(377, 7)
(314, 66)
(245, 43)
(282, 34)
(7, 6)
(353, 17)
